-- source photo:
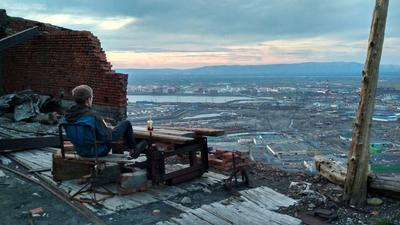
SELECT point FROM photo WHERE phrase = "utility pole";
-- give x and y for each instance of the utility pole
(355, 189)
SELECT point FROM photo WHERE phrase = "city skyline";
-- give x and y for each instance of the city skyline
(188, 34)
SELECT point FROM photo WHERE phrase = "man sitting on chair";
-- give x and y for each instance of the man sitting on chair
(82, 110)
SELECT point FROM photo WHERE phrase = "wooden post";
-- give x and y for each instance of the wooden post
(355, 189)
(2, 92)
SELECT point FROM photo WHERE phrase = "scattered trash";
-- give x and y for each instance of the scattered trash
(36, 212)
(375, 213)
(308, 196)
(311, 205)
(297, 187)
(36, 194)
(310, 167)
(156, 212)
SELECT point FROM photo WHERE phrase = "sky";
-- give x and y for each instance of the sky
(194, 33)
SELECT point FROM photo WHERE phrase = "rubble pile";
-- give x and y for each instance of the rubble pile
(30, 107)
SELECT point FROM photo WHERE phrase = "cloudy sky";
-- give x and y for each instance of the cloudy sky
(193, 33)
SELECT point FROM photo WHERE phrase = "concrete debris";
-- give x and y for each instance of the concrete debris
(186, 201)
(299, 186)
(5, 161)
(136, 179)
(206, 190)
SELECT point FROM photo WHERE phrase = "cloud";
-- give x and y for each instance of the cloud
(73, 19)
(267, 52)
(84, 22)
(187, 33)
(115, 23)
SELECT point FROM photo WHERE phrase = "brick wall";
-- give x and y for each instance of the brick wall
(60, 59)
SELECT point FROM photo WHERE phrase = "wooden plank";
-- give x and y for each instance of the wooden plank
(18, 38)
(256, 214)
(166, 223)
(267, 198)
(167, 131)
(240, 211)
(164, 138)
(114, 158)
(177, 206)
(10, 144)
(143, 198)
(184, 171)
(44, 169)
(336, 173)
(35, 159)
(187, 218)
(310, 220)
(218, 176)
(226, 213)
(268, 216)
(199, 131)
(118, 203)
(211, 218)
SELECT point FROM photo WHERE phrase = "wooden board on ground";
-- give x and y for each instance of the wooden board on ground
(246, 210)
(35, 159)
(336, 173)
(114, 158)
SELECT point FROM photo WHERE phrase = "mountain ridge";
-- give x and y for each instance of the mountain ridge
(351, 69)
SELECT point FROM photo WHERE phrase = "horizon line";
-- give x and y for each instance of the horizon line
(221, 65)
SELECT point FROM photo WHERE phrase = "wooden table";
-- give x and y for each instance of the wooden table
(167, 142)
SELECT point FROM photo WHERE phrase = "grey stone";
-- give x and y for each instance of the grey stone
(374, 201)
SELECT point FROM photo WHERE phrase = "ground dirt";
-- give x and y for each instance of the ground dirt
(321, 194)
(18, 196)
(314, 193)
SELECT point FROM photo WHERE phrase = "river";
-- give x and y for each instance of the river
(184, 99)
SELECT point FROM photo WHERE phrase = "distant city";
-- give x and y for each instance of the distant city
(282, 120)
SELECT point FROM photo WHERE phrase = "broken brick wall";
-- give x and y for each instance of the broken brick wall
(60, 59)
